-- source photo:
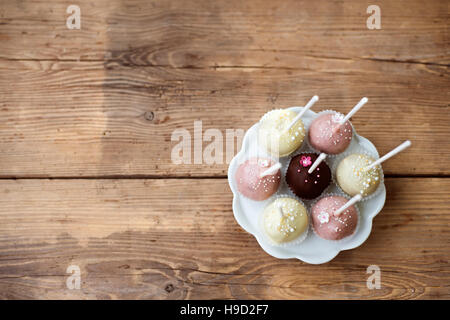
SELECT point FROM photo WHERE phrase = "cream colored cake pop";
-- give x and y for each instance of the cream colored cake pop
(282, 132)
(354, 177)
(284, 220)
(361, 174)
(273, 136)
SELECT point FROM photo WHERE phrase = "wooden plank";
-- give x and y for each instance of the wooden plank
(186, 33)
(80, 119)
(129, 238)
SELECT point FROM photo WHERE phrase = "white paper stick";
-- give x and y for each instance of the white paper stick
(400, 148)
(362, 102)
(319, 159)
(301, 113)
(349, 203)
(271, 170)
(280, 211)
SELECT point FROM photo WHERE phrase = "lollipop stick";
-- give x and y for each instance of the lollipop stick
(271, 170)
(349, 203)
(280, 211)
(301, 113)
(319, 159)
(400, 148)
(362, 102)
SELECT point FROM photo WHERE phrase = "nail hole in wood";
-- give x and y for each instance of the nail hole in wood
(169, 288)
(149, 115)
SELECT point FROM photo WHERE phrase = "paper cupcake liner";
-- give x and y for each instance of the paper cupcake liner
(317, 151)
(285, 168)
(340, 194)
(359, 150)
(294, 242)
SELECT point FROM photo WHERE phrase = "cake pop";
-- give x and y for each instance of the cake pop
(304, 184)
(330, 224)
(285, 219)
(255, 182)
(281, 131)
(353, 177)
(361, 174)
(331, 133)
(327, 135)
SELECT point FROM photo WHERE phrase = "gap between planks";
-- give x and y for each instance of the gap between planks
(231, 66)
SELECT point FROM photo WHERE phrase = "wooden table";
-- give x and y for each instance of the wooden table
(86, 121)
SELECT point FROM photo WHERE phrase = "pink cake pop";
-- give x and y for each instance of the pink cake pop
(331, 133)
(254, 179)
(331, 225)
(327, 135)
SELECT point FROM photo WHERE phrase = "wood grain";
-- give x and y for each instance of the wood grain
(168, 239)
(102, 102)
(226, 32)
(87, 119)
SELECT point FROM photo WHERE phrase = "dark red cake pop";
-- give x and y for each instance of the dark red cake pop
(307, 185)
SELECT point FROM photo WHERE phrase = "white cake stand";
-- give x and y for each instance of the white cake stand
(313, 249)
